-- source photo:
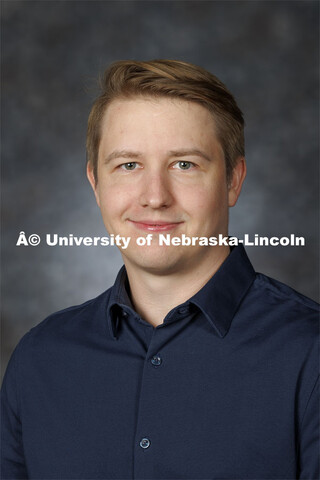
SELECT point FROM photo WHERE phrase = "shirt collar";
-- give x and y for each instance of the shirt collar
(221, 296)
(119, 302)
(218, 300)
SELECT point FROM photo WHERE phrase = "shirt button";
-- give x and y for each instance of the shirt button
(145, 443)
(183, 310)
(124, 314)
(156, 360)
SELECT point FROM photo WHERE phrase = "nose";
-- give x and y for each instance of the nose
(156, 191)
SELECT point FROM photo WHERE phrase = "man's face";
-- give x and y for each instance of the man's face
(161, 170)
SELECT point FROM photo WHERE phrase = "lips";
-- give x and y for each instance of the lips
(155, 225)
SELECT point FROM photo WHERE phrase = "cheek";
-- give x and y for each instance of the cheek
(207, 200)
(114, 199)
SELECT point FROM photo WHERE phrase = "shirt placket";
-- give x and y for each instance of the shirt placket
(147, 450)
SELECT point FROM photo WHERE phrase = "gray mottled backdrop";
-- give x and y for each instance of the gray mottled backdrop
(265, 51)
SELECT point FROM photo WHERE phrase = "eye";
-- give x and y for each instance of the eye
(183, 165)
(129, 166)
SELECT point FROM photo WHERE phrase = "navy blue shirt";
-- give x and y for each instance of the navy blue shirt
(225, 388)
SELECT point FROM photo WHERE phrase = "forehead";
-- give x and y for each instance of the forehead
(164, 122)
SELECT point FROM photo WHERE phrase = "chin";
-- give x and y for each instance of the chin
(158, 263)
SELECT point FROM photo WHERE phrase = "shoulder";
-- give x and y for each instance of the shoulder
(55, 342)
(71, 322)
(287, 316)
(283, 296)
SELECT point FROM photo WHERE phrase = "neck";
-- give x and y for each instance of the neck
(153, 296)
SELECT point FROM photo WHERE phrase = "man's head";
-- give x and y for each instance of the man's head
(169, 79)
(165, 162)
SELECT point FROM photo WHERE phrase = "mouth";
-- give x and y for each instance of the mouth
(154, 226)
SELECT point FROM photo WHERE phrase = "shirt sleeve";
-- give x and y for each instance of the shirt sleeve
(12, 456)
(309, 439)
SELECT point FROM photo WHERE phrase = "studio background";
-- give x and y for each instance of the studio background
(52, 52)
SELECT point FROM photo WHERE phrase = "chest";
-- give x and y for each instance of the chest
(165, 410)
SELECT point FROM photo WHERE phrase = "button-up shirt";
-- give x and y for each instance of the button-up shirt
(224, 388)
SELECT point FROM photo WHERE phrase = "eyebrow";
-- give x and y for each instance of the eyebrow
(172, 153)
(189, 152)
(122, 154)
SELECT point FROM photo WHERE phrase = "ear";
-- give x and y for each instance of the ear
(93, 183)
(237, 177)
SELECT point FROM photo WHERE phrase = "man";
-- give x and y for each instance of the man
(191, 366)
